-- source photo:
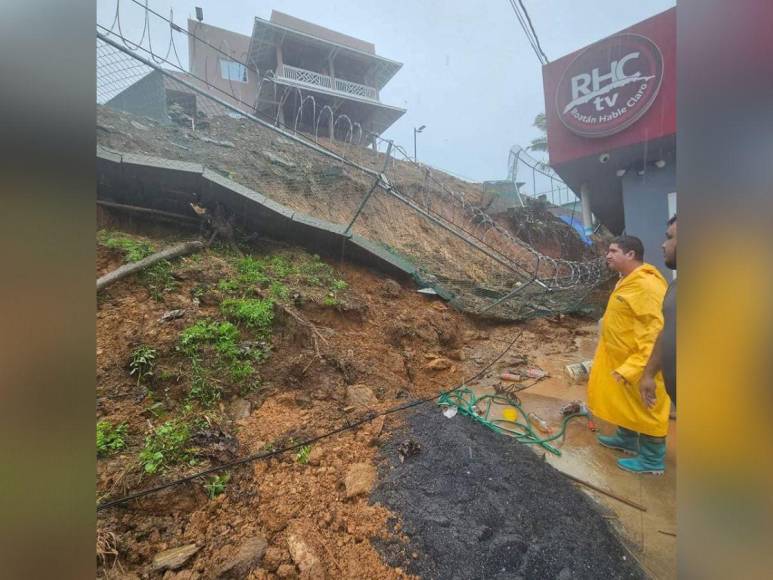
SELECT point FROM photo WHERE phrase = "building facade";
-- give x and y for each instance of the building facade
(295, 73)
(611, 119)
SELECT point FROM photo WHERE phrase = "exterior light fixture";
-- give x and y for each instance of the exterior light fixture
(620, 172)
(660, 163)
(415, 131)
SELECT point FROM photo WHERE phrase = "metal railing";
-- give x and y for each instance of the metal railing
(313, 79)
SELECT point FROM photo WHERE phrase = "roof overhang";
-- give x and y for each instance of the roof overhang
(267, 35)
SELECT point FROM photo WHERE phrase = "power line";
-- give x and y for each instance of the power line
(534, 32)
(528, 29)
(268, 454)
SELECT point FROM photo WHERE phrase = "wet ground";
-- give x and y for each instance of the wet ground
(474, 505)
(650, 534)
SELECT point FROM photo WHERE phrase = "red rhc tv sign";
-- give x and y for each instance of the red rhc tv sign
(610, 85)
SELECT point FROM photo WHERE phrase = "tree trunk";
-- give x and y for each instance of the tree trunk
(171, 252)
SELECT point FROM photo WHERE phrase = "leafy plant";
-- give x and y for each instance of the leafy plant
(240, 370)
(142, 361)
(303, 454)
(339, 285)
(110, 439)
(228, 285)
(330, 300)
(166, 445)
(217, 484)
(256, 313)
(133, 250)
(252, 271)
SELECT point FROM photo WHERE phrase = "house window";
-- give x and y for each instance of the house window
(233, 71)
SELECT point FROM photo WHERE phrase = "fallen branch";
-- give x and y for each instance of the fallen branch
(147, 210)
(171, 252)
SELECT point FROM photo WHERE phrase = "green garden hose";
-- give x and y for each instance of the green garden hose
(467, 403)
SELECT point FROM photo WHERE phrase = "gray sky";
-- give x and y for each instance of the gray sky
(469, 73)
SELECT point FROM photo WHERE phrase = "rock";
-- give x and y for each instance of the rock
(456, 355)
(390, 288)
(439, 364)
(240, 409)
(228, 144)
(304, 556)
(273, 558)
(172, 314)
(181, 575)
(359, 479)
(174, 558)
(278, 159)
(360, 396)
(247, 556)
(286, 571)
(316, 455)
(137, 125)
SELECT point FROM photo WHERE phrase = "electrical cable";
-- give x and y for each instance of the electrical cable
(534, 33)
(268, 455)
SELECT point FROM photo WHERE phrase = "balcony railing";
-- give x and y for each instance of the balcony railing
(312, 79)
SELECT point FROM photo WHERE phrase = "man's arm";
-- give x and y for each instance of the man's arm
(647, 384)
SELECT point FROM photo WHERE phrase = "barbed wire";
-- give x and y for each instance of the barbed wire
(551, 284)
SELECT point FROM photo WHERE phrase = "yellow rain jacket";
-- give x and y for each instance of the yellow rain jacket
(631, 324)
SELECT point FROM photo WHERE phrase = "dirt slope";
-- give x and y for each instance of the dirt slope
(375, 343)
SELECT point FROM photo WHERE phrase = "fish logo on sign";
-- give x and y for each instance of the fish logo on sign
(610, 85)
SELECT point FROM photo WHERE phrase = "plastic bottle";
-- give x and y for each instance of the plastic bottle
(539, 423)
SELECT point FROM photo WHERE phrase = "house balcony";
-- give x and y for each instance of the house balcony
(314, 80)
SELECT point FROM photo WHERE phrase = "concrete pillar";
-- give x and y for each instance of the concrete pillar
(587, 215)
(279, 61)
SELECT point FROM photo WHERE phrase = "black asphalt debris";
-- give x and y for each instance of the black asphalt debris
(476, 504)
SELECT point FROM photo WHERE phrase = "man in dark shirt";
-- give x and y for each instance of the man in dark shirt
(663, 357)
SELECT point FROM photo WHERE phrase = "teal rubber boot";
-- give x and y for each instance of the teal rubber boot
(652, 453)
(623, 440)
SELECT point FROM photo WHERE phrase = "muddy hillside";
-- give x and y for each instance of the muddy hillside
(240, 350)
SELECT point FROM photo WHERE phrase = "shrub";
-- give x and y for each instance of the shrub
(166, 445)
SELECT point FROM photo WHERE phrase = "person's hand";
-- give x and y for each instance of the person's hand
(619, 378)
(647, 390)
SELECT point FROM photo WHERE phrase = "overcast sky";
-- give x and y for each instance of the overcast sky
(469, 73)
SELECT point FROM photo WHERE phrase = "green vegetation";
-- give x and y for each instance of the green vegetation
(240, 370)
(133, 250)
(110, 439)
(256, 313)
(203, 389)
(157, 278)
(166, 445)
(303, 454)
(216, 485)
(223, 335)
(142, 361)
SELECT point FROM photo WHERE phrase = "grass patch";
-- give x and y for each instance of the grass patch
(256, 313)
(223, 335)
(165, 446)
(110, 439)
(133, 250)
(203, 389)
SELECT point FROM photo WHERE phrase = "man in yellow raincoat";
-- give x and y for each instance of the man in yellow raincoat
(631, 323)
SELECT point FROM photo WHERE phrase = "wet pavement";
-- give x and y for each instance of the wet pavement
(650, 534)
